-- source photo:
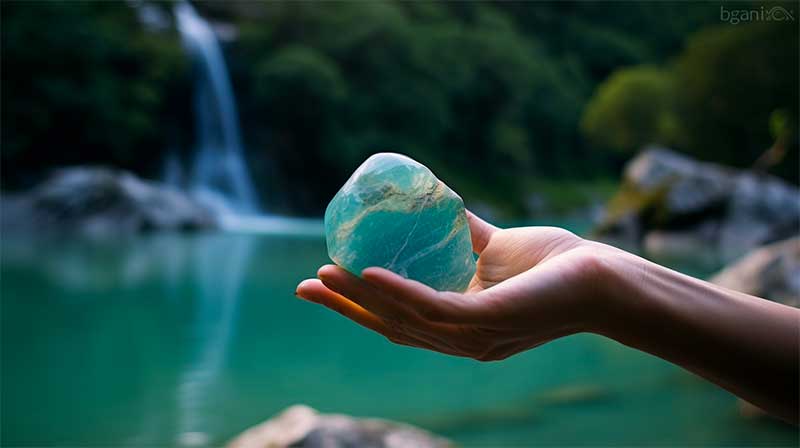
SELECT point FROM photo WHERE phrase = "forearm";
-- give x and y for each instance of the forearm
(746, 345)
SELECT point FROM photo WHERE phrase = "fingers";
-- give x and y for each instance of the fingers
(395, 306)
(433, 327)
(481, 232)
(431, 305)
(362, 293)
(315, 291)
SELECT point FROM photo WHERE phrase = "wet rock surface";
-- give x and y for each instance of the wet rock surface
(101, 202)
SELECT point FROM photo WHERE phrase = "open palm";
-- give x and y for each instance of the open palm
(532, 285)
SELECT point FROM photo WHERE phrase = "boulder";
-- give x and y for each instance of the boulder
(99, 201)
(303, 427)
(669, 201)
(771, 272)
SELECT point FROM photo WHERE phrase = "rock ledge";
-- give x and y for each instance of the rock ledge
(99, 201)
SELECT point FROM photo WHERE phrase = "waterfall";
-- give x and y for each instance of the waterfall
(218, 175)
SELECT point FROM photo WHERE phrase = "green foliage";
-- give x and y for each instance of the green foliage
(491, 95)
(298, 86)
(564, 197)
(82, 83)
(732, 79)
(726, 98)
(634, 107)
(781, 124)
(456, 88)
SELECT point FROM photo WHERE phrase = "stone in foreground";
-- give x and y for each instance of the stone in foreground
(394, 213)
(302, 427)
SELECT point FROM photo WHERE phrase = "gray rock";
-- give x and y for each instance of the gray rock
(771, 272)
(302, 426)
(669, 201)
(692, 185)
(760, 210)
(98, 201)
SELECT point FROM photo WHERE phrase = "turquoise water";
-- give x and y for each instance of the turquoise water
(142, 341)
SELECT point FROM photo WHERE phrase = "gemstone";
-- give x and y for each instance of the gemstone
(394, 213)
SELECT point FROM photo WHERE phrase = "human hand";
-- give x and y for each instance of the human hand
(532, 285)
(536, 284)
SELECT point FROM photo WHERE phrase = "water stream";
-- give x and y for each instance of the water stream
(218, 174)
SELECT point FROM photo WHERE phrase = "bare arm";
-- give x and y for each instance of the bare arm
(745, 344)
(537, 284)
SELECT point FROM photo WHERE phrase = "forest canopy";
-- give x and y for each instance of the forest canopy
(494, 96)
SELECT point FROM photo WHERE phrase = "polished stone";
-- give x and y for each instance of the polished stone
(394, 213)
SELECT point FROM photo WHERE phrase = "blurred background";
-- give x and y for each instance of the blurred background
(165, 166)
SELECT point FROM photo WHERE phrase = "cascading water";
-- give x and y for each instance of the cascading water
(218, 175)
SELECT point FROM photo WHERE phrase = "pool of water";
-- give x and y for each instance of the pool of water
(190, 339)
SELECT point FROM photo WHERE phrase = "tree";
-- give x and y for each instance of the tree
(634, 107)
(718, 101)
(84, 83)
(732, 79)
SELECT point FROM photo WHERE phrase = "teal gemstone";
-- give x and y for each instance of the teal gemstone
(394, 213)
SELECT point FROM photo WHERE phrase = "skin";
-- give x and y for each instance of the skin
(537, 284)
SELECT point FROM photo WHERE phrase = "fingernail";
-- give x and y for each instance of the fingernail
(321, 272)
(365, 274)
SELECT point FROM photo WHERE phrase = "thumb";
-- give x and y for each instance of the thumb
(481, 232)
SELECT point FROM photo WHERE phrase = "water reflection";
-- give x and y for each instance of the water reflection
(203, 275)
(218, 289)
(175, 339)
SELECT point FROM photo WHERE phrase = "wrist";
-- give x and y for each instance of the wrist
(615, 296)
